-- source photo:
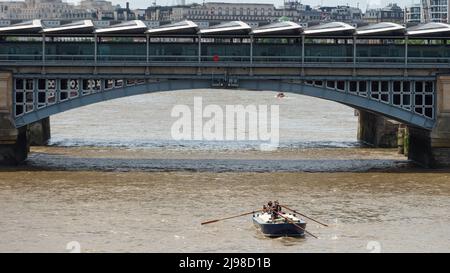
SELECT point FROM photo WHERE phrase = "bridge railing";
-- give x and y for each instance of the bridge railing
(174, 58)
(122, 58)
(428, 60)
(281, 59)
(20, 57)
(216, 58)
(69, 57)
(386, 60)
(144, 59)
(328, 59)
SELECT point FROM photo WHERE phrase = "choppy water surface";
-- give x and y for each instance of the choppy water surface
(113, 180)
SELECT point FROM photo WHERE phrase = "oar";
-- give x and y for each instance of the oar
(304, 216)
(300, 227)
(217, 220)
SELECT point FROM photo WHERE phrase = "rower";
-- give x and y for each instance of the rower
(277, 205)
(274, 210)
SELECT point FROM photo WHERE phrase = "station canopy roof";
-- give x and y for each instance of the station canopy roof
(183, 27)
(28, 27)
(428, 29)
(333, 28)
(228, 28)
(128, 27)
(237, 28)
(384, 28)
(79, 27)
(278, 29)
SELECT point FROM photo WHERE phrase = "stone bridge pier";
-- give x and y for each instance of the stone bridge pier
(427, 148)
(377, 131)
(432, 149)
(39, 132)
(15, 142)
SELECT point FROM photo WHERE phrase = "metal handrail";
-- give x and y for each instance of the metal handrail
(52, 58)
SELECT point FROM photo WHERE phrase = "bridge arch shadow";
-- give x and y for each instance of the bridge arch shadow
(295, 87)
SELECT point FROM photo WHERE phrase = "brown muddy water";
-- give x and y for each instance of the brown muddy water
(112, 180)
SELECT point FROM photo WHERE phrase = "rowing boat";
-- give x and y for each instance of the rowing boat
(280, 226)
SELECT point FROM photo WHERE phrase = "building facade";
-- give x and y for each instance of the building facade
(391, 13)
(10, 10)
(216, 11)
(413, 14)
(49, 9)
(251, 13)
(427, 11)
(435, 11)
(345, 14)
(58, 9)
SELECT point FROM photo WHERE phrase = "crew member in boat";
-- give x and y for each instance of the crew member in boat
(277, 206)
(274, 211)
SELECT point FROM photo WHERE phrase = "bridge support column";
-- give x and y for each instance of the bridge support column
(432, 149)
(15, 149)
(14, 144)
(377, 131)
(40, 132)
(440, 136)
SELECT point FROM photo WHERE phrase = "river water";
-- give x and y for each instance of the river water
(114, 180)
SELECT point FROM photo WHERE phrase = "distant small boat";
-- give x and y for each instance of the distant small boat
(280, 226)
(280, 95)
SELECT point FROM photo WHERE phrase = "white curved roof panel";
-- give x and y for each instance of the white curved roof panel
(233, 27)
(329, 28)
(183, 27)
(278, 28)
(428, 29)
(381, 28)
(128, 27)
(85, 26)
(28, 27)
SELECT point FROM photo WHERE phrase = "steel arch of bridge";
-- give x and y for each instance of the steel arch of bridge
(36, 97)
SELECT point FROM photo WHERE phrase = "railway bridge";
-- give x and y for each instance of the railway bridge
(383, 70)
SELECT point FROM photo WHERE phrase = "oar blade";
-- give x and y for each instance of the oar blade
(210, 222)
(231, 217)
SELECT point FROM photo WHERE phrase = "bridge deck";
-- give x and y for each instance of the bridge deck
(383, 68)
(133, 42)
